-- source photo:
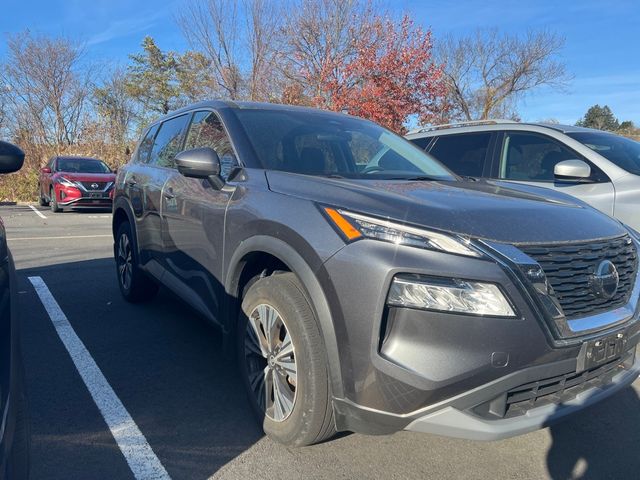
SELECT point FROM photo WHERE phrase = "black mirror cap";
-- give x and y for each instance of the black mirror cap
(198, 163)
(11, 158)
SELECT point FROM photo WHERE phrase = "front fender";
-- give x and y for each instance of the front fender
(307, 276)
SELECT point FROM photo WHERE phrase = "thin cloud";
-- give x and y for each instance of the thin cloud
(126, 27)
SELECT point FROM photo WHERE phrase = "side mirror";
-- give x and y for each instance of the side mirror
(200, 163)
(572, 171)
(11, 158)
(45, 170)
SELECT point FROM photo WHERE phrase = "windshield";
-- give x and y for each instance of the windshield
(622, 151)
(318, 143)
(82, 165)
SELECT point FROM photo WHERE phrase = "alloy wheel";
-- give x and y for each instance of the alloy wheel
(271, 363)
(125, 262)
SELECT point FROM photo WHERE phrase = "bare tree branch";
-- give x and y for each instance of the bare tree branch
(48, 90)
(488, 73)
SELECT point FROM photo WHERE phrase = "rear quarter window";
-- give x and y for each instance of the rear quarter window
(421, 143)
(146, 144)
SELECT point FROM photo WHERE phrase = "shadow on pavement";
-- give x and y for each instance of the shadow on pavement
(164, 362)
(601, 442)
(166, 365)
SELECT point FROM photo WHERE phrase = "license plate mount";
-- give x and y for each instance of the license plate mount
(602, 350)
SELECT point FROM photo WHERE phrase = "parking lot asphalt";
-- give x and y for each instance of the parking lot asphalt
(165, 368)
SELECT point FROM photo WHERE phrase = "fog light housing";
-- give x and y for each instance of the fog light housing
(449, 295)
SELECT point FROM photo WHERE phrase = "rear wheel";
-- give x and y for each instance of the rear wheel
(283, 362)
(53, 203)
(18, 465)
(134, 284)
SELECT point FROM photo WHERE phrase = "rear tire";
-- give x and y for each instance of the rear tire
(285, 372)
(135, 285)
(54, 202)
(18, 466)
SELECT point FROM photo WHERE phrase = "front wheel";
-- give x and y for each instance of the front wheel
(41, 200)
(134, 284)
(53, 203)
(283, 362)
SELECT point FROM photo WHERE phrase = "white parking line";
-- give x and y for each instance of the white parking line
(38, 212)
(59, 238)
(141, 459)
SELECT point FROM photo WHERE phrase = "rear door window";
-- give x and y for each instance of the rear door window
(169, 141)
(465, 154)
(207, 131)
(532, 157)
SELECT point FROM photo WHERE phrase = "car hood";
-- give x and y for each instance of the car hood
(88, 177)
(480, 209)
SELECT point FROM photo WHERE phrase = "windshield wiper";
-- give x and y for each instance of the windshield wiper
(417, 178)
(470, 178)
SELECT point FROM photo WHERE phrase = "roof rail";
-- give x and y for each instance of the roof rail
(471, 123)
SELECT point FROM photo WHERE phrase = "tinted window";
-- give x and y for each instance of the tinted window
(318, 143)
(207, 131)
(421, 142)
(82, 165)
(144, 150)
(531, 157)
(464, 154)
(622, 151)
(168, 142)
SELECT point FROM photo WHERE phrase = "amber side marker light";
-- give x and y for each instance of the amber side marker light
(343, 224)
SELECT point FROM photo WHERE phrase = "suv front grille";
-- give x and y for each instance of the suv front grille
(559, 389)
(88, 185)
(555, 390)
(568, 268)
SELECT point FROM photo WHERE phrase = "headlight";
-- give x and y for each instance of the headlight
(66, 182)
(455, 296)
(354, 226)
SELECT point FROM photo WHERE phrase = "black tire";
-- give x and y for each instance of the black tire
(41, 200)
(18, 465)
(135, 285)
(310, 419)
(53, 204)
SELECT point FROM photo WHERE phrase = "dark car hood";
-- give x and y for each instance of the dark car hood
(480, 209)
(88, 177)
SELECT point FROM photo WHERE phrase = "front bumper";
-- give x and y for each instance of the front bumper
(435, 372)
(452, 422)
(76, 198)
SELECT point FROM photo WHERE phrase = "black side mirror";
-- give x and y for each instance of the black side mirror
(200, 163)
(11, 158)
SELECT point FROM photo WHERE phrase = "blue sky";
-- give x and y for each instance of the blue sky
(601, 50)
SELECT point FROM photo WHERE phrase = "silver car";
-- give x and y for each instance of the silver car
(600, 168)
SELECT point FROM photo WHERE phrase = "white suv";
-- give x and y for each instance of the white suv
(600, 168)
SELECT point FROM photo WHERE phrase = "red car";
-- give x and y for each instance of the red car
(76, 182)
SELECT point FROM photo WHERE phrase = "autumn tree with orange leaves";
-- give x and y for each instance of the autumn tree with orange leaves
(392, 76)
(383, 70)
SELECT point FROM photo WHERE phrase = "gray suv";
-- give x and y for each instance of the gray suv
(600, 168)
(365, 287)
